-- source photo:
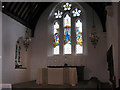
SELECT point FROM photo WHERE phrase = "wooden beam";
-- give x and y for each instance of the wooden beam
(8, 4)
(27, 13)
(17, 7)
(35, 12)
(36, 16)
(21, 9)
(31, 12)
(13, 6)
(25, 10)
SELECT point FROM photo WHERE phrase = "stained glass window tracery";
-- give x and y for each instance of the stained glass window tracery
(76, 12)
(67, 6)
(56, 38)
(79, 40)
(58, 14)
(17, 55)
(67, 34)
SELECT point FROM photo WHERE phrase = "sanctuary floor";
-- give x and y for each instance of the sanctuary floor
(83, 85)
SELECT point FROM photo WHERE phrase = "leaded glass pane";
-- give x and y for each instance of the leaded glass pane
(58, 14)
(76, 12)
(17, 55)
(56, 38)
(67, 6)
(67, 34)
(79, 41)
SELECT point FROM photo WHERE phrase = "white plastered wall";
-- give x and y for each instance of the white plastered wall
(112, 25)
(11, 32)
(94, 61)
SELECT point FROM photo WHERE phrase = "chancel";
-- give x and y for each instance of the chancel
(54, 45)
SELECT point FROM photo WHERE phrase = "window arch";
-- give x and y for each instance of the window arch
(70, 22)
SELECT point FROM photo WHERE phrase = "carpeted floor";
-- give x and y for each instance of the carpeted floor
(32, 84)
(83, 85)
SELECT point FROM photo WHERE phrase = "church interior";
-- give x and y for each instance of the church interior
(60, 45)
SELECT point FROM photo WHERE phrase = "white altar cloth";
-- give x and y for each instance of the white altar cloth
(57, 76)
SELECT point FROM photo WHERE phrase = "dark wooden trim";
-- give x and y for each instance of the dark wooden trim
(13, 6)
(36, 12)
(17, 7)
(25, 10)
(31, 12)
(20, 6)
(22, 9)
(8, 5)
(28, 12)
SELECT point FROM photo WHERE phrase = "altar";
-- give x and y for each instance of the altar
(58, 75)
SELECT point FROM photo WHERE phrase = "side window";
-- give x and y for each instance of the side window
(18, 55)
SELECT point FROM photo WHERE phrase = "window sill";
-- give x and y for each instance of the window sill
(21, 68)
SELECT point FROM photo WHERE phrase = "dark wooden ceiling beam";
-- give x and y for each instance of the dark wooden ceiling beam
(17, 7)
(35, 13)
(21, 9)
(33, 6)
(25, 10)
(27, 13)
(31, 12)
(13, 6)
(8, 5)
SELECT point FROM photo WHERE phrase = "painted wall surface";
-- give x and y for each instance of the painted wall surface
(12, 30)
(113, 35)
(94, 60)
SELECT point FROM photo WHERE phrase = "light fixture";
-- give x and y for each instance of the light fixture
(93, 36)
(27, 39)
(3, 6)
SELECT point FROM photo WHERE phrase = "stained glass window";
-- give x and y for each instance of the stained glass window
(76, 12)
(79, 41)
(67, 34)
(56, 38)
(58, 14)
(17, 55)
(67, 6)
(68, 10)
